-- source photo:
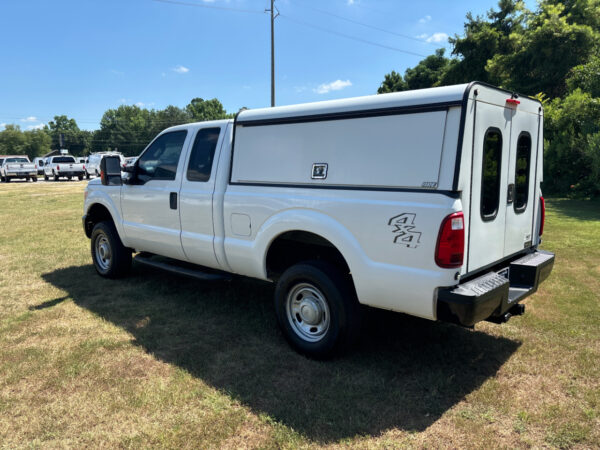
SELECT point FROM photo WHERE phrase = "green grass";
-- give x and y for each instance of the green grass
(163, 361)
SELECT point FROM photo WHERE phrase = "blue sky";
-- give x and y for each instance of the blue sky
(81, 57)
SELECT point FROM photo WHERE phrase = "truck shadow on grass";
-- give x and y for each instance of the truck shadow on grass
(405, 372)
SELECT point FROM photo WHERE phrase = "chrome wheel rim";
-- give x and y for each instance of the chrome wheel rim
(103, 253)
(307, 312)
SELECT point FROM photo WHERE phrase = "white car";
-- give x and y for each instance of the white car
(92, 167)
(424, 202)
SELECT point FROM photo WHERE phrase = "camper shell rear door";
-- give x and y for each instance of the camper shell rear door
(503, 189)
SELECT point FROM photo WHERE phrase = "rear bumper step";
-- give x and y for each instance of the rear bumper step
(495, 296)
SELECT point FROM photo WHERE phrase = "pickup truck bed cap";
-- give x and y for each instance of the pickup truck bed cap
(446, 96)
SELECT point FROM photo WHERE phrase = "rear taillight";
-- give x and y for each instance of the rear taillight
(450, 248)
(102, 176)
(57, 167)
(543, 206)
(84, 167)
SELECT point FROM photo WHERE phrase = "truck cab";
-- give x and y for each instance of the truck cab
(423, 202)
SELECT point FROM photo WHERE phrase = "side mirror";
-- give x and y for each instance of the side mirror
(110, 171)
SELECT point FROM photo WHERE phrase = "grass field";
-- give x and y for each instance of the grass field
(159, 360)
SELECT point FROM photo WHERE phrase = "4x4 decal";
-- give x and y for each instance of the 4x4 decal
(404, 230)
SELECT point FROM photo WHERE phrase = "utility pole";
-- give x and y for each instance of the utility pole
(273, 17)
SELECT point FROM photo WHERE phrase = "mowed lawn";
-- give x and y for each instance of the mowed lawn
(164, 361)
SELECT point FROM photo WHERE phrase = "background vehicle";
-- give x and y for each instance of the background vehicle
(63, 166)
(15, 167)
(425, 202)
(93, 165)
(39, 165)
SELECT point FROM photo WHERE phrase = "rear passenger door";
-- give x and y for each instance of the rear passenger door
(521, 181)
(491, 144)
(196, 199)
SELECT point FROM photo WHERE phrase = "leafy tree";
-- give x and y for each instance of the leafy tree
(37, 143)
(484, 38)
(126, 129)
(12, 140)
(201, 110)
(586, 77)
(428, 72)
(392, 82)
(544, 53)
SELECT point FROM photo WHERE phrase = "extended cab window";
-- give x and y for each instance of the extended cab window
(522, 172)
(490, 177)
(203, 152)
(159, 161)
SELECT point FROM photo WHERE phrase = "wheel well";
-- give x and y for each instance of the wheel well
(96, 214)
(293, 247)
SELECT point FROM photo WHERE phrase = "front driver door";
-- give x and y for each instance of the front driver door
(150, 205)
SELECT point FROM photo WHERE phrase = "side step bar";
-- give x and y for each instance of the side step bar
(181, 268)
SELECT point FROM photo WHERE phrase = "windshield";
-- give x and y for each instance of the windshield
(17, 160)
(64, 159)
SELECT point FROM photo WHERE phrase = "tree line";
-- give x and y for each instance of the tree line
(127, 129)
(552, 54)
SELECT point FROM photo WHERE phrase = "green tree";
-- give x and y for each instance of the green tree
(483, 38)
(392, 82)
(201, 110)
(63, 125)
(586, 77)
(37, 143)
(544, 53)
(428, 72)
(12, 140)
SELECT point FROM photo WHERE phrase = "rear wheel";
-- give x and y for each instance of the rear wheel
(87, 176)
(111, 258)
(317, 309)
(80, 177)
(7, 179)
(55, 176)
(34, 179)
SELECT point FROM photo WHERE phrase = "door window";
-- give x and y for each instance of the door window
(203, 152)
(159, 161)
(490, 177)
(522, 169)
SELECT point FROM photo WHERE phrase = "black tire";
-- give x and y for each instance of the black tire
(87, 176)
(80, 177)
(2, 180)
(111, 259)
(7, 179)
(34, 179)
(55, 176)
(317, 283)
(69, 178)
(46, 177)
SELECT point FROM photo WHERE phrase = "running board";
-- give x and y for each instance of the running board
(181, 268)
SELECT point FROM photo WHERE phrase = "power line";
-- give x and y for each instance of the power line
(373, 27)
(198, 5)
(348, 36)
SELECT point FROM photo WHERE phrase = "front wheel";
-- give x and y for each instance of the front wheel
(317, 309)
(111, 258)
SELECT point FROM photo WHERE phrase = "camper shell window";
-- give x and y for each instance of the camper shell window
(522, 170)
(490, 176)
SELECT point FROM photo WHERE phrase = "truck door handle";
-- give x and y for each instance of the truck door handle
(510, 195)
(173, 200)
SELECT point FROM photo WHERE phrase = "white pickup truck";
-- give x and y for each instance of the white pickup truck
(424, 202)
(15, 167)
(63, 166)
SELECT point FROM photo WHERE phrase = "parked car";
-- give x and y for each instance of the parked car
(424, 202)
(15, 167)
(93, 165)
(39, 165)
(63, 166)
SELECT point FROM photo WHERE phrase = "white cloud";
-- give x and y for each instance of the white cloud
(333, 86)
(29, 119)
(437, 37)
(3, 125)
(423, 36)
(425, 19)
(180, 69)
(39, 126)
(351, 2)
